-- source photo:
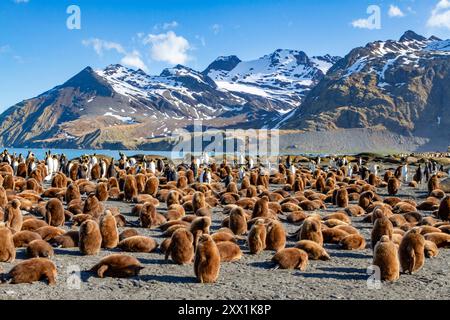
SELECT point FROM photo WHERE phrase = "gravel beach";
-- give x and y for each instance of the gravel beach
(343, 277)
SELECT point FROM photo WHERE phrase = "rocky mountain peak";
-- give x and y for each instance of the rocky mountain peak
(223, 63)
(411, 36)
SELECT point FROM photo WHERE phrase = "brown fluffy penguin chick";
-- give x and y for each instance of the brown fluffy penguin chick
(198, 201)
(181, 247)
(256, 239)
(314, 250)
(23, 238)
(386, 258)
(444, 209)
(7, 248)
(229, 251)
(138, 244)
(54, 215)
(200, 224)
(93, 207)
(342, 198)
(291, 258)
(353, 242)
(48, 233)
(430, 249)
(238, 221)
(13, 215)
(128, 233)
(207, 260)
(383, 226)
(72, 193)
(221, 236)
(441, 239)
(101, 191)
(276, 236)
(108, 230)
(393, 186)
(149, 217)
(261, 208)
(33, 224)
(151, 186)
(411, 251)
(117, 266)
(433, 184)
(130, 188)
(90, 238)
(39, 249)
(311, 230)
(70, 239)
(33, 270)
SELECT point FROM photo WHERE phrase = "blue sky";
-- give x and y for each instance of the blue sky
(38, 51)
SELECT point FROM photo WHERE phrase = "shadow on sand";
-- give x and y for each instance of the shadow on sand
(339, 273)
(350, 254)
(168, 278)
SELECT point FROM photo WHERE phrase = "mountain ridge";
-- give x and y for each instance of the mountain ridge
(394, 85)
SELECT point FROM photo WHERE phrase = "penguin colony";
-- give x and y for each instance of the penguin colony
(57, 203)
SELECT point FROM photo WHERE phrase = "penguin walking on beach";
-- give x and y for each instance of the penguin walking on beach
(160, 165)
(205, 158)
(15, 165)
(7, 157)
(208, 178)
(94, 159)
(194, 167)
(293, 169)
(250, 163)
(152, 166)
(405, 172)
(374, 169)
(62, 163)
(241, 173)
(103, 168)
(418, 175)
(241, 160)
(55, 164)
(111, 172)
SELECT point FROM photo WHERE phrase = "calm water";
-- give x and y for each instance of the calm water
(74, 153)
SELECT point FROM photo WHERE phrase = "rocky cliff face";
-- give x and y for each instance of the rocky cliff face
(402, 86)
(120, 107)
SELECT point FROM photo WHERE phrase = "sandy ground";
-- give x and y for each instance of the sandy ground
(343, 277)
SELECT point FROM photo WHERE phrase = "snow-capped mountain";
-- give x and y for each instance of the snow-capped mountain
(402, 86)
(284, 75)
(97, 107)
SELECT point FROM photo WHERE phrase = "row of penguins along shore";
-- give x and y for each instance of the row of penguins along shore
(39, 197)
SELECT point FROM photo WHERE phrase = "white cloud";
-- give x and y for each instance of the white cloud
(362, 24)
(170, 25)
(5, 48)
(134, 60)
(131, 59)
(216, 28)
(18, 59)
(168, 47)
(440, 15)
(100, 46)
(395, 12)
(201, 39)
(165, 26)
(372, 22)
